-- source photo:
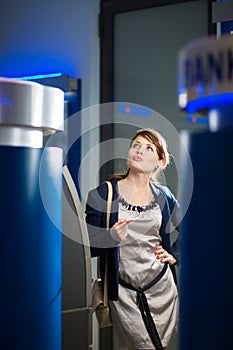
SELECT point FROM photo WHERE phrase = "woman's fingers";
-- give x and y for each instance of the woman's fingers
(163, 255)
(160, 252)
(119, 230)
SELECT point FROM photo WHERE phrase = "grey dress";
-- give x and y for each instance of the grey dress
(138, 266)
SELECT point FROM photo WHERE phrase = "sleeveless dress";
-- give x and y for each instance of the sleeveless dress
(138, 266)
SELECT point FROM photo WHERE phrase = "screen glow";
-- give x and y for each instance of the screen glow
(38, 76)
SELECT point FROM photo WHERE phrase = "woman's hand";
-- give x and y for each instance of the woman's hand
(164, 256)
(118, 231)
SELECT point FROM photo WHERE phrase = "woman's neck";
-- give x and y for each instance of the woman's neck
(135, 190)
(139, 181)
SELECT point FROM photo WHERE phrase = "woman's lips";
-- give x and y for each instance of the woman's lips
(137, 158)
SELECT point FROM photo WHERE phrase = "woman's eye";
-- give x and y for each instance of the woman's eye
(136, 145)
(150, 149)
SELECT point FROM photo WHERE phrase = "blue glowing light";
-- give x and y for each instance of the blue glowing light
(38, 76)
(134, 110)
(210, 102)
(6, 101)
(196, 120)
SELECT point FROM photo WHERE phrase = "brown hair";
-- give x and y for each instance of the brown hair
(161, 146)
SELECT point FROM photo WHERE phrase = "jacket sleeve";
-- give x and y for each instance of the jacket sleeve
(175, 219)
(172, 218)
(100, 239)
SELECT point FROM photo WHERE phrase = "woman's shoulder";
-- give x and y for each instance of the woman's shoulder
(164, 195)
(162, 189)
(97, 197)
(103, 188)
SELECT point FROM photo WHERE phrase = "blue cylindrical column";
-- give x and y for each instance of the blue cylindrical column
(30, 216)
(206, 278)
(30, 250)
(206, 293)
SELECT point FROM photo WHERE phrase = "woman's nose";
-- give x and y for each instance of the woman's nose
(140, 149)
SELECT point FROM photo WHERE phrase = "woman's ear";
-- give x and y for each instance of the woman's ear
(162, 163)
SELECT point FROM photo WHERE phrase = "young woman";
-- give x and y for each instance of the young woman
(141, 261)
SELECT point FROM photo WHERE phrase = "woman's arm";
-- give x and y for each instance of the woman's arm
(99, 237)
(175, 222)
(172, 218)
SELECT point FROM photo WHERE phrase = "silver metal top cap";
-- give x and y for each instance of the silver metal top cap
(30, 104)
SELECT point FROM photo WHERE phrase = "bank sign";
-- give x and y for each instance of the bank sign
(205, 73)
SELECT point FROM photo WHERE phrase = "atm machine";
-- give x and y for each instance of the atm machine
(72, 304)
(76, 260)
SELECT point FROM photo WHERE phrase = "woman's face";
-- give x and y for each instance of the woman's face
(143, 156)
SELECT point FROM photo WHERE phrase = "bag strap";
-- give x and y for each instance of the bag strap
(109, 204)
(108, 211)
